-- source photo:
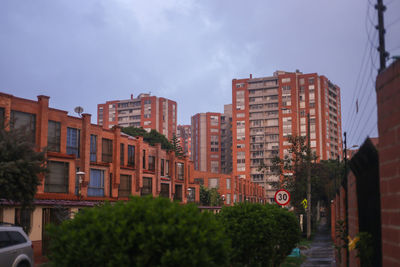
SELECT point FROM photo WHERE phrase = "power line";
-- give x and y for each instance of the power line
(357, 88)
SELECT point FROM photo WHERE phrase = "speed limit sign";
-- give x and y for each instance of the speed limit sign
(282, 197)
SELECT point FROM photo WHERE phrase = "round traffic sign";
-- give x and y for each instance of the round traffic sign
(282, 197)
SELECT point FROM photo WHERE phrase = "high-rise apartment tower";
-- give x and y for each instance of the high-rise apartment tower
(211, 141)
(267, 110)
(149, 112)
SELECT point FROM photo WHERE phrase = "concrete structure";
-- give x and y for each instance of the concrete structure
(115, 166)
(149, 112)
(184, 135)
(211, 141)
(267, 110)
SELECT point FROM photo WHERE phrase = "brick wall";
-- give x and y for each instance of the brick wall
(388, 98)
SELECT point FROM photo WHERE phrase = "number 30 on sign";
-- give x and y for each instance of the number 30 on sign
(282, 197)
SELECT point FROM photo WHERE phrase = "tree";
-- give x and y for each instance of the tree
(20, 165)
(153, 137)
(176, 146)
(141, 232)
(262, 235)
(210, 197)
(292, 170)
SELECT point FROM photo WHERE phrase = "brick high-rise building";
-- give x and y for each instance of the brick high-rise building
(211, 141)
(184, 135)
(206, 142)
(226, 139)
(149, 112)
(267, 110)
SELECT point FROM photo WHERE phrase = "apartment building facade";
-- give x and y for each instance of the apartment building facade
(226, 140)
(211, 141)
(184, 135)
(267, 110)
(149, 112)
(89, 164)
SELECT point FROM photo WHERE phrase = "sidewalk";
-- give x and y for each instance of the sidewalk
(321, 252)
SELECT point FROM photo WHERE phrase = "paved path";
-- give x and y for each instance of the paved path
(321, 252)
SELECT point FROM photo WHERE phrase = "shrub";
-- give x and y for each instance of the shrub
(262, 235)
(140, 232)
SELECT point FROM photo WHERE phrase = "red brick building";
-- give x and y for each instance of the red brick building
(265, 111)
(184, 135)
(89, 164)
(212, 141)
(149, 112)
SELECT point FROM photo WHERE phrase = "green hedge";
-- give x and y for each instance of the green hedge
(261, 235)
(140, 232)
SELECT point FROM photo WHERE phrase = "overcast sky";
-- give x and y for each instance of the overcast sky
(85, 52)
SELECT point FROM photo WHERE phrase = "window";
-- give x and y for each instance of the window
(213, 183)
(93, 148)
(131, 156)
(96, 183)
(214, 166)
(214, 120)
(180, 171)
(152, 163)
(162, 167)
(147, 188)
(228, 199)
(57, 178)
(191, 194)
(164, 190)
(106, 151)
(144, 159)
(228, 184)
(199, 181)
(167, 168)
(122, 155)
(53, 136)
(125, 182)
(286, 80)
(73, 141)
(310, 80)
(178, 192)
(27, 121)
(10, 238)
(240, 100)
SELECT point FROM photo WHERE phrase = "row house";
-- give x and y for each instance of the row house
(88, 164)
(232, 188)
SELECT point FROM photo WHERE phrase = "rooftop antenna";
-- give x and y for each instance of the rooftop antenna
(78, 110)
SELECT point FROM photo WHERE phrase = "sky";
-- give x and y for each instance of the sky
(83, 53)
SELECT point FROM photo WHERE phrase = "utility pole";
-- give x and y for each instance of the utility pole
(380, 7)
(308, 179)
(346, 228)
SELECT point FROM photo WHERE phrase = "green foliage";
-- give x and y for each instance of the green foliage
(365, 249)
(205, 198)
(176, 146)
(153, 137)
(210, 197)
(262, 235)
(323, 175)
(340, 232)
(20, 165)
(140, 232)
